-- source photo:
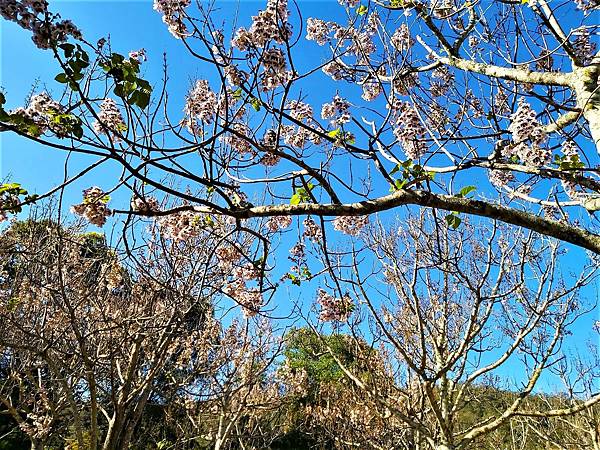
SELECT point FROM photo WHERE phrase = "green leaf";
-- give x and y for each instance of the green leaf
(143, 99)
(62, 78)
(395, 169)
(209, 221)
(68, 49)
(117, 58)
(78, 132)
(295, 200)
(466, 191)
(399, 184)
(334, 133)
(362, 10)
(133, 99)
(256, 103)
(237, 94)
(453, 220)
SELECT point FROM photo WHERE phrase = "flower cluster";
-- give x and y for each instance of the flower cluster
(350, 225)
(584, 47)
(349, 3)
(40, 110)
(587, 5)
(361, 44)
(333, 308)
(336, 70)
(33, 15)
(239, 140)
(311, 230)
(250, 299)
(474, 42)
(299, 110)
(94, 207)
(200, 106)
(274, 69)
(181, 226)
(441, 9)
(371, 89)
(337, 111)
(444, 80)
(299, 136)
(173, 13)
(318, 30)
(269, 143)
(246, 272)
(234, 75)
(269, 25)
(501, 104)
(227, 256)
(144, 205)
(277, 223)
(139, 55)
(401, 40)
(500, 177)
(297, 252)
(544, 61)
(41, 104)
(572, 189)
(410, 132)
(404, 83)
(437, 117)
(110, 121)
(472, 104)
(524, 126)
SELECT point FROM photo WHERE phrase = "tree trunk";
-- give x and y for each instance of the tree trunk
(586, 83)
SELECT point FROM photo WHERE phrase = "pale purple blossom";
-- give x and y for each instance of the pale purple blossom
(94, 206)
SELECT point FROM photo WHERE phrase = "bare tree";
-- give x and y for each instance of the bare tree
(89, 338)
(454, 311)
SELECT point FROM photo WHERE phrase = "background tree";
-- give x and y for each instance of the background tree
(452, 310)
(90, 340)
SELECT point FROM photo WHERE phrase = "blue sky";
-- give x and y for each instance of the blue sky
(134, 25)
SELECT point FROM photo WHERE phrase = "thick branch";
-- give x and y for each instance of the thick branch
(509, 73)
(552, 228)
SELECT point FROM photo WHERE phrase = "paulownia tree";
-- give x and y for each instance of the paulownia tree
(424, 98)
(90, 338)
(451, 311)
(475, 108)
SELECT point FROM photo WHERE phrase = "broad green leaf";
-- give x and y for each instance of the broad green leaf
(466, 191)
(453, 220)
(62, 78)
(334, 133)
(256, 103)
